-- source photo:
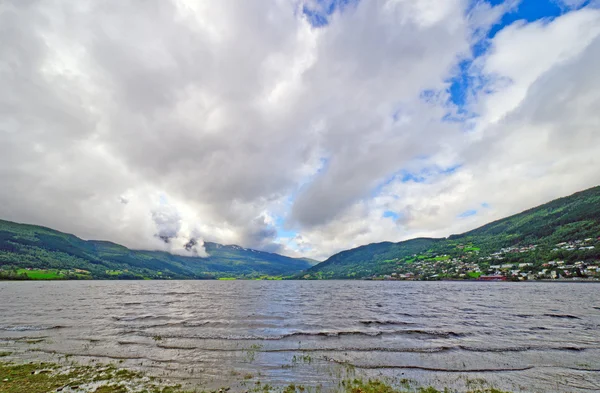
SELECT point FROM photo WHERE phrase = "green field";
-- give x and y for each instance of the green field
(41, 274)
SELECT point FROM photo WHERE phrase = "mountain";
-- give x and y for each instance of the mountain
(561, 236)
(558, 239)
(38, 252)
(310, 261)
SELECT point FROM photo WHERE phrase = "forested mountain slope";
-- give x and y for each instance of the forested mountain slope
(27, 250)
(533, 237)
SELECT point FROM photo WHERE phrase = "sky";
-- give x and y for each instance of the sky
(303, 127)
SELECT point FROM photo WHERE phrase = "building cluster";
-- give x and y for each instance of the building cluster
(500, 255)
(497, 265)
(585, 244)
(559, 269)
(549, 270)
(433, 268)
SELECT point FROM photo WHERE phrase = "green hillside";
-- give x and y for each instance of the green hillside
(29, 251)
(561, 236)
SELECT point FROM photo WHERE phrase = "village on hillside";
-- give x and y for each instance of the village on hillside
(502, 265)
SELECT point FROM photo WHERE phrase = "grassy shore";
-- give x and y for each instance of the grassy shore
(48, 377)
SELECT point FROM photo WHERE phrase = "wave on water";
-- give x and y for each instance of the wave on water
(565, 316)
(179, 324)
(520, 349)
(428, 349)
(150, 302)
(202, 323)
(359, 349)
(419, 332)
(29, 328)
(436, 369)
(332, 334)
(133, 318)
(164, 293)
(382, 323)
(188, 323)
(524, 316)
(306, 334)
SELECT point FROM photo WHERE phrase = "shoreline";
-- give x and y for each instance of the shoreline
(41, 377)
(333, 279)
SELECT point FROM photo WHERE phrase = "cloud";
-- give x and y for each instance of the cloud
(168, 222)
(518, 57)
(534, 139)
(230, 122)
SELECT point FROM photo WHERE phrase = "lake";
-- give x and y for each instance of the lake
(531, 337)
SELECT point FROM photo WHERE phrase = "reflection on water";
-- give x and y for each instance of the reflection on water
(525, 337)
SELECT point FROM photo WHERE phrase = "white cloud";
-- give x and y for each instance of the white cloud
(521, 53)
(535, 139)
(229, 116)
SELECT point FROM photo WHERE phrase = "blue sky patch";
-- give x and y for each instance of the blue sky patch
(319, 14)
(413, 177)
(422, 176)
(533, 10)
(315, 18)
(466, 83)
(468, 213)
(390, 214)
(281, 230)
(450, 170)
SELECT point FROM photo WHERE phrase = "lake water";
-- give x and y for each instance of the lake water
(531, 337)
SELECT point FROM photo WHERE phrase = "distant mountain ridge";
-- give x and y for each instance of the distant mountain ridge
(35, 251)
(569, 219)
(561, 237)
